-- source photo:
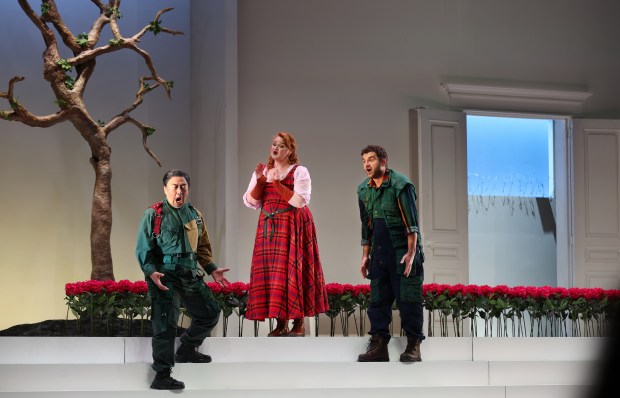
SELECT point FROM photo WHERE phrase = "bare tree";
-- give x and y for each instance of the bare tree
(69, 93)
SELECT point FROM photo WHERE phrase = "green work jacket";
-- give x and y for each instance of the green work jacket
(183, 240)
(393, 201)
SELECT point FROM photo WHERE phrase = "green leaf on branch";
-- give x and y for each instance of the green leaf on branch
(5, 115)
(114, 11)
(82, 39)
(155, 27)
(169, 83)
(64, 65)
(145, 85)
(14, 103)
(61, 103)
(45, 8)
(69, 82)
(149, 131)
(116, 42)
(100, 123)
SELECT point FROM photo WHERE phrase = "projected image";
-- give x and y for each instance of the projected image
(510, 157)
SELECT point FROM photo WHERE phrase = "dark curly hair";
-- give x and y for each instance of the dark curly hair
(381, 153)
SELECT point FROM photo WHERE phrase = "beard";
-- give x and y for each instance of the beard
(376, 173)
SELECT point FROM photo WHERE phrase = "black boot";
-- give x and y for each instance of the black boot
(377, 350)
(187, 353)
(412, 352)
(163, 381)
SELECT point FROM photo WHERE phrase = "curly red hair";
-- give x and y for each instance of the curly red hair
(291, 145)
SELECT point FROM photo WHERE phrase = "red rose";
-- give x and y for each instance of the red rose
(215, 287)
(139, 287)
(334, 288)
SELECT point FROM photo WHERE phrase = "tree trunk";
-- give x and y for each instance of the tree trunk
(69, 90)
(101, 218)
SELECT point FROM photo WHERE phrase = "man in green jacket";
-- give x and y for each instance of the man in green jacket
(172, 239)
(392, 256)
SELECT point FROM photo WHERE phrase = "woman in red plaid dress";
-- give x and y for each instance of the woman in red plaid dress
(286, 278)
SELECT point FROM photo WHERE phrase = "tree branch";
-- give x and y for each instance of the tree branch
(9, 94)
(48, 34)
(20, 114)
(99, 4)
(120, 43)
(115, 29)
(66, 35)
(146, 130)
(100, 22)
(86, 69)
(84, 75)
(94, 53)
(149, 63)
(121, 117)
(144, 88)
(156, 19)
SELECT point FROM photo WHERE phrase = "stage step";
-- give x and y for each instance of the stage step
(389, 392)
(304, 367)
(71, 350)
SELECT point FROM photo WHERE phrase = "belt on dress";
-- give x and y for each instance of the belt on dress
(269, 217)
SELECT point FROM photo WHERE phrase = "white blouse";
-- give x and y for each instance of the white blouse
(301, 188)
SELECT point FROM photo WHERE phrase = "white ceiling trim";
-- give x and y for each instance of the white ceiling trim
(520, 99)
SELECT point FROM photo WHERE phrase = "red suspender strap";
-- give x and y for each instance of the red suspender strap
(158, 217)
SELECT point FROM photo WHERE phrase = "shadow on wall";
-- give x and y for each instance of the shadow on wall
(606, 383)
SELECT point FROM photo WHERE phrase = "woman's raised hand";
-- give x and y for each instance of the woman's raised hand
(259, 170)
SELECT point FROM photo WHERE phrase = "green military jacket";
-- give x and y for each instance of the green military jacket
(183, 240)
(391, 202)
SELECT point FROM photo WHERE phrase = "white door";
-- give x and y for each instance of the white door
(597, 203)
(439, 172)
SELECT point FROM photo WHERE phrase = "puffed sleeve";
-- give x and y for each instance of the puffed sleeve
(302, 187)
(248, 200)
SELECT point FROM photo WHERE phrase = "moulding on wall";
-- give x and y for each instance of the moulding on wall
(522, 99)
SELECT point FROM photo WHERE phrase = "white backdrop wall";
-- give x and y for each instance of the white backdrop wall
(338, 74)
(342, 74)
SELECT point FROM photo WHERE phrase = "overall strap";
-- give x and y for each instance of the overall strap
(158, 207)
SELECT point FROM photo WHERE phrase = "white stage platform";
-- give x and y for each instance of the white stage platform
(304, 367)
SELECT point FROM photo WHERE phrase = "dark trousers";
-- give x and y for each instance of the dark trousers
(385, 288)
(199, 302)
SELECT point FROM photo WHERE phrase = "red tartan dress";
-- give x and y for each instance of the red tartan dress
(286, 278)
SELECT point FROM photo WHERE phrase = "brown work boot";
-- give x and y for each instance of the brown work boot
(298, 329)
(377, 350)
(412, 352)
(281, 328)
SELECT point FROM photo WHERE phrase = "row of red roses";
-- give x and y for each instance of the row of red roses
(239, 289)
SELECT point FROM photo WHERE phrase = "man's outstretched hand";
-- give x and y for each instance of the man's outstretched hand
(218, 276)
(156, 278)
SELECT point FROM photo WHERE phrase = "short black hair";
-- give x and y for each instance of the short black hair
(381, 153)
(176, 173)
